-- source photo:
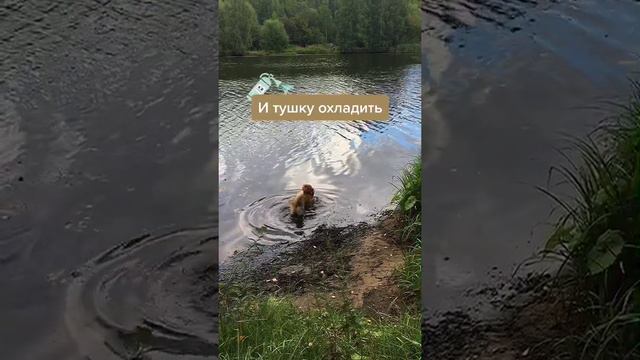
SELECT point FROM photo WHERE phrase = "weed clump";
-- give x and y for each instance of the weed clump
(597, 237)
(274, 328)
(409, 206)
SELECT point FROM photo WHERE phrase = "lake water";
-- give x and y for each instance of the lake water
(351, 165)
(503, 81)
(107, 180)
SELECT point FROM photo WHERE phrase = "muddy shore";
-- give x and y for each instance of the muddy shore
(513, 318)
(528, 317)
(355, 263)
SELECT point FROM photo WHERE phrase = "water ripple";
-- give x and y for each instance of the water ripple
(267, 221)
(261, 159)
(152, 295)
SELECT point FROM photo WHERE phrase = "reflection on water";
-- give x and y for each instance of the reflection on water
(503, 82)
(105, 113)
(149, 296)
(351, 163)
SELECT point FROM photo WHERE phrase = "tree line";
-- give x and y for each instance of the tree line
(274, 25)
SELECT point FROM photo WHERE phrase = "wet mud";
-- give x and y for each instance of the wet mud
(355, 264)
(531, 317)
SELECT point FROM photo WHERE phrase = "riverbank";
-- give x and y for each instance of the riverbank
(342, 283)
(345, 292)
(324, 49)
(589, 308)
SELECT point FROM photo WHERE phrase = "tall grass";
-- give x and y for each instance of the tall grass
(408, 194)
(410, 274)
(616, 333)
(273, 328)
(598, 234)
(408, 199)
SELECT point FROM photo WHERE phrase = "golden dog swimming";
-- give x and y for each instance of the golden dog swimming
(302, 201)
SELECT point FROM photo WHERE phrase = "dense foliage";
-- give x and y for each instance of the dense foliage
(238, 26)
(370, 25)
(273, 36)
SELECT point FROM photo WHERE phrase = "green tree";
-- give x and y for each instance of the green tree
(394, 22)
(375, 37)
(306, 24)
(266, 8)
(263, 9)
(326, 24)
(274, 36)
(351, 24)
(414, 22)
(238, 26)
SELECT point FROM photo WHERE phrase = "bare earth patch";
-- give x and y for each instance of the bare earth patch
(373, 265)
(370, 280)
(354, 264)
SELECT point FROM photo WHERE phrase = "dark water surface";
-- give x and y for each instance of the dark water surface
(351, 165)
(502, 81)
(107, 180)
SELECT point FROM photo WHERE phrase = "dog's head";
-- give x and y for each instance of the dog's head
(307, 189)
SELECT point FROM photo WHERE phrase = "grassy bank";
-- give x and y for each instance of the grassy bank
(320, 49)
(325, 49)
(597, 238)
(259, 324)
(274, 328)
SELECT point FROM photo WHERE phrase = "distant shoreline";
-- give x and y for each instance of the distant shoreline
(326, 50)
